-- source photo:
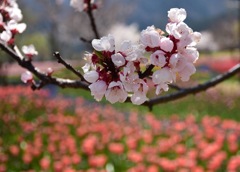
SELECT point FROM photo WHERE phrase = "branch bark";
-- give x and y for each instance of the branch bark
(45, 79)
(68, 66)
(193, 90)
(92, 19)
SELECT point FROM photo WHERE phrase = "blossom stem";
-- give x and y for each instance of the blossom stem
(68, 66)
(147, 72)
(196, 89)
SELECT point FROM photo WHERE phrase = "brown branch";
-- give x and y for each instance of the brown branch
(175, 87)
(85, 40)
(193, 90)
(92, 19)
(68, 66)
(147, 72)
(45, 79)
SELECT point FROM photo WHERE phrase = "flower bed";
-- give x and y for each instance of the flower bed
(42, 134)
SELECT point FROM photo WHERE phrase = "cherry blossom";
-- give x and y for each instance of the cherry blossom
(177, 15)
(10, 16)
(91, 76)
(158, 58)
(49, 71)
(6, 36)
(106, 43)
(139, 95)
(162, 78)
(98, 89)
(120, 71)
(26, 77)
(150, 37)
(29, 51)
(116, 93)
(118, 59)
(77, 5)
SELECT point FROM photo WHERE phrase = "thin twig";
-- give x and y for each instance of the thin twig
(85, 40)
(92, 19)
(67, 65)
(147, 72)
(45, 79)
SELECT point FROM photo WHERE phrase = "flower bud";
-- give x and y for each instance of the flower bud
(27, 77)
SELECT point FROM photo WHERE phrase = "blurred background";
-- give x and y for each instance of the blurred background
(55, 26)
(29, 120)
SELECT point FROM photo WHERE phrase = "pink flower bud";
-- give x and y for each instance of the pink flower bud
(26, 77)
(177, 15)
(29, 51)
(49, 71)
(166, 44)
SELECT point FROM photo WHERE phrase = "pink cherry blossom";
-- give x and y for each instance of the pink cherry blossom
(158, 58)
(14, 26)
(163, 75)
(184, 68)
(26, 77)
(150, 37)
(166, 44)
(91, 76)
(49, 71)
(29, 51)
(89, 63)
(98, 89)
(106, 43)
(118, 59)
(162, 78)
(115, 92)
(132, 52)
(6, 36)
(177, 15)
(139, 95)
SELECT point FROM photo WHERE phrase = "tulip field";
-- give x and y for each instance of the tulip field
(39, 133)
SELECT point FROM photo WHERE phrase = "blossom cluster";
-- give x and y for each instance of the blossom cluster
(116, 74)
(10, 26)
(10, 18)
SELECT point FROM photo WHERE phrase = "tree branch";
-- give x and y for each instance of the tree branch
(92, 19)
(193, 90)
(64, 83)
(68, 66)
(147, 72)
(45, 79)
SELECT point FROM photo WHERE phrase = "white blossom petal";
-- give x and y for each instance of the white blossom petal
(116, 93)
(158, 59)
(26, 77)
(150, 37)
(118, 59)
(91, 76)
(98, 89)
(163, 75)
(106, 43)
(138, 98)
(177, 15)
(166, 44)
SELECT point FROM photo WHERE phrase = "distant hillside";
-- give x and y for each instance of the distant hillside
(154, 12)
